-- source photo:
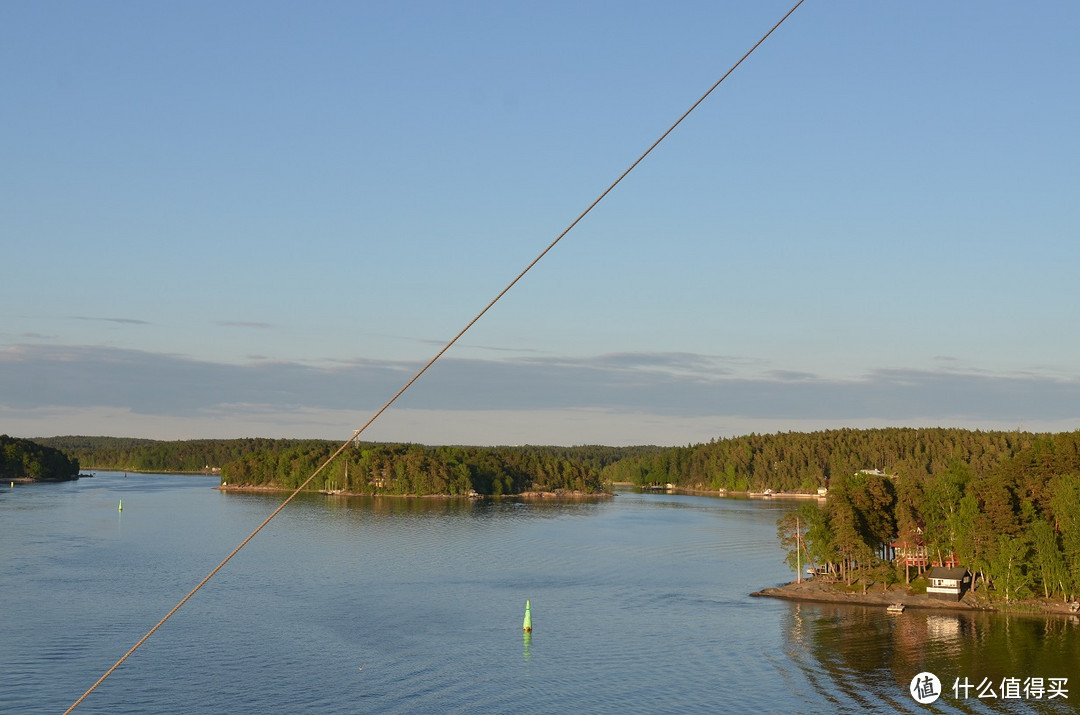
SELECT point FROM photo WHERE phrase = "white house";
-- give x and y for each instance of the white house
(947, 584)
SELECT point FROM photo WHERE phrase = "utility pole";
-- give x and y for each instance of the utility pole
(798, 551)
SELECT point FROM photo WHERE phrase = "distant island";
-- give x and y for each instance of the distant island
(365, 468)
(417, 470)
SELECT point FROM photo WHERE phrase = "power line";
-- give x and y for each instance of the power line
(437, 355)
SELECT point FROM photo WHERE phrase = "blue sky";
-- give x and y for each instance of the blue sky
(233, 219)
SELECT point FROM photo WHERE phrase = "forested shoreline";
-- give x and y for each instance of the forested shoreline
(806, 461)
(24, 459)
(785, 461)
(1015, 525)
(413, 469)
(148, 455)
(1006, 505)
(364, 468)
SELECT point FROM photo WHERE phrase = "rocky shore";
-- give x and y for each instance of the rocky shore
(814, 590)
(558, 494)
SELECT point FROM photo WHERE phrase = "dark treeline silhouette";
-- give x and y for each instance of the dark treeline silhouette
(148, 455)
(26, 459)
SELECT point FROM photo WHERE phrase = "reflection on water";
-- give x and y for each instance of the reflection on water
(847, 652)
(380, 506)
(943, 628)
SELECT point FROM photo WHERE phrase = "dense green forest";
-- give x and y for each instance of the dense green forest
(148, 455)
(371, 468)
(25, 459)
(367, 468)
(805, 461)
(1015, 523)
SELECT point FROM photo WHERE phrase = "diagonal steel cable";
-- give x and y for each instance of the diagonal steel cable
(432, 361)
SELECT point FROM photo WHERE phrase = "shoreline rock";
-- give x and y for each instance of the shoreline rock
(816, 591)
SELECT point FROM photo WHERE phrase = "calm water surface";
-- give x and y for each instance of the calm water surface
(639, 603)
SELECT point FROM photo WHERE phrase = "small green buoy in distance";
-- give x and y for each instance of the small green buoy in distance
(527, 625)
(121, 508)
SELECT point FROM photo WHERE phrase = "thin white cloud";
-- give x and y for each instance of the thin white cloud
(123, 321)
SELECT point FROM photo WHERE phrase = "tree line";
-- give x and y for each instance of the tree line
(149, 455)
(805, 461)
(369, 468)
(26, 459)
(1014, 524)
(365, 468)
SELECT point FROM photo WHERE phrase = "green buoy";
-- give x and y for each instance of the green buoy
(527, 625)
(121, 505)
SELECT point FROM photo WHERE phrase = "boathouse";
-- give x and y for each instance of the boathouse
(947, 584)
